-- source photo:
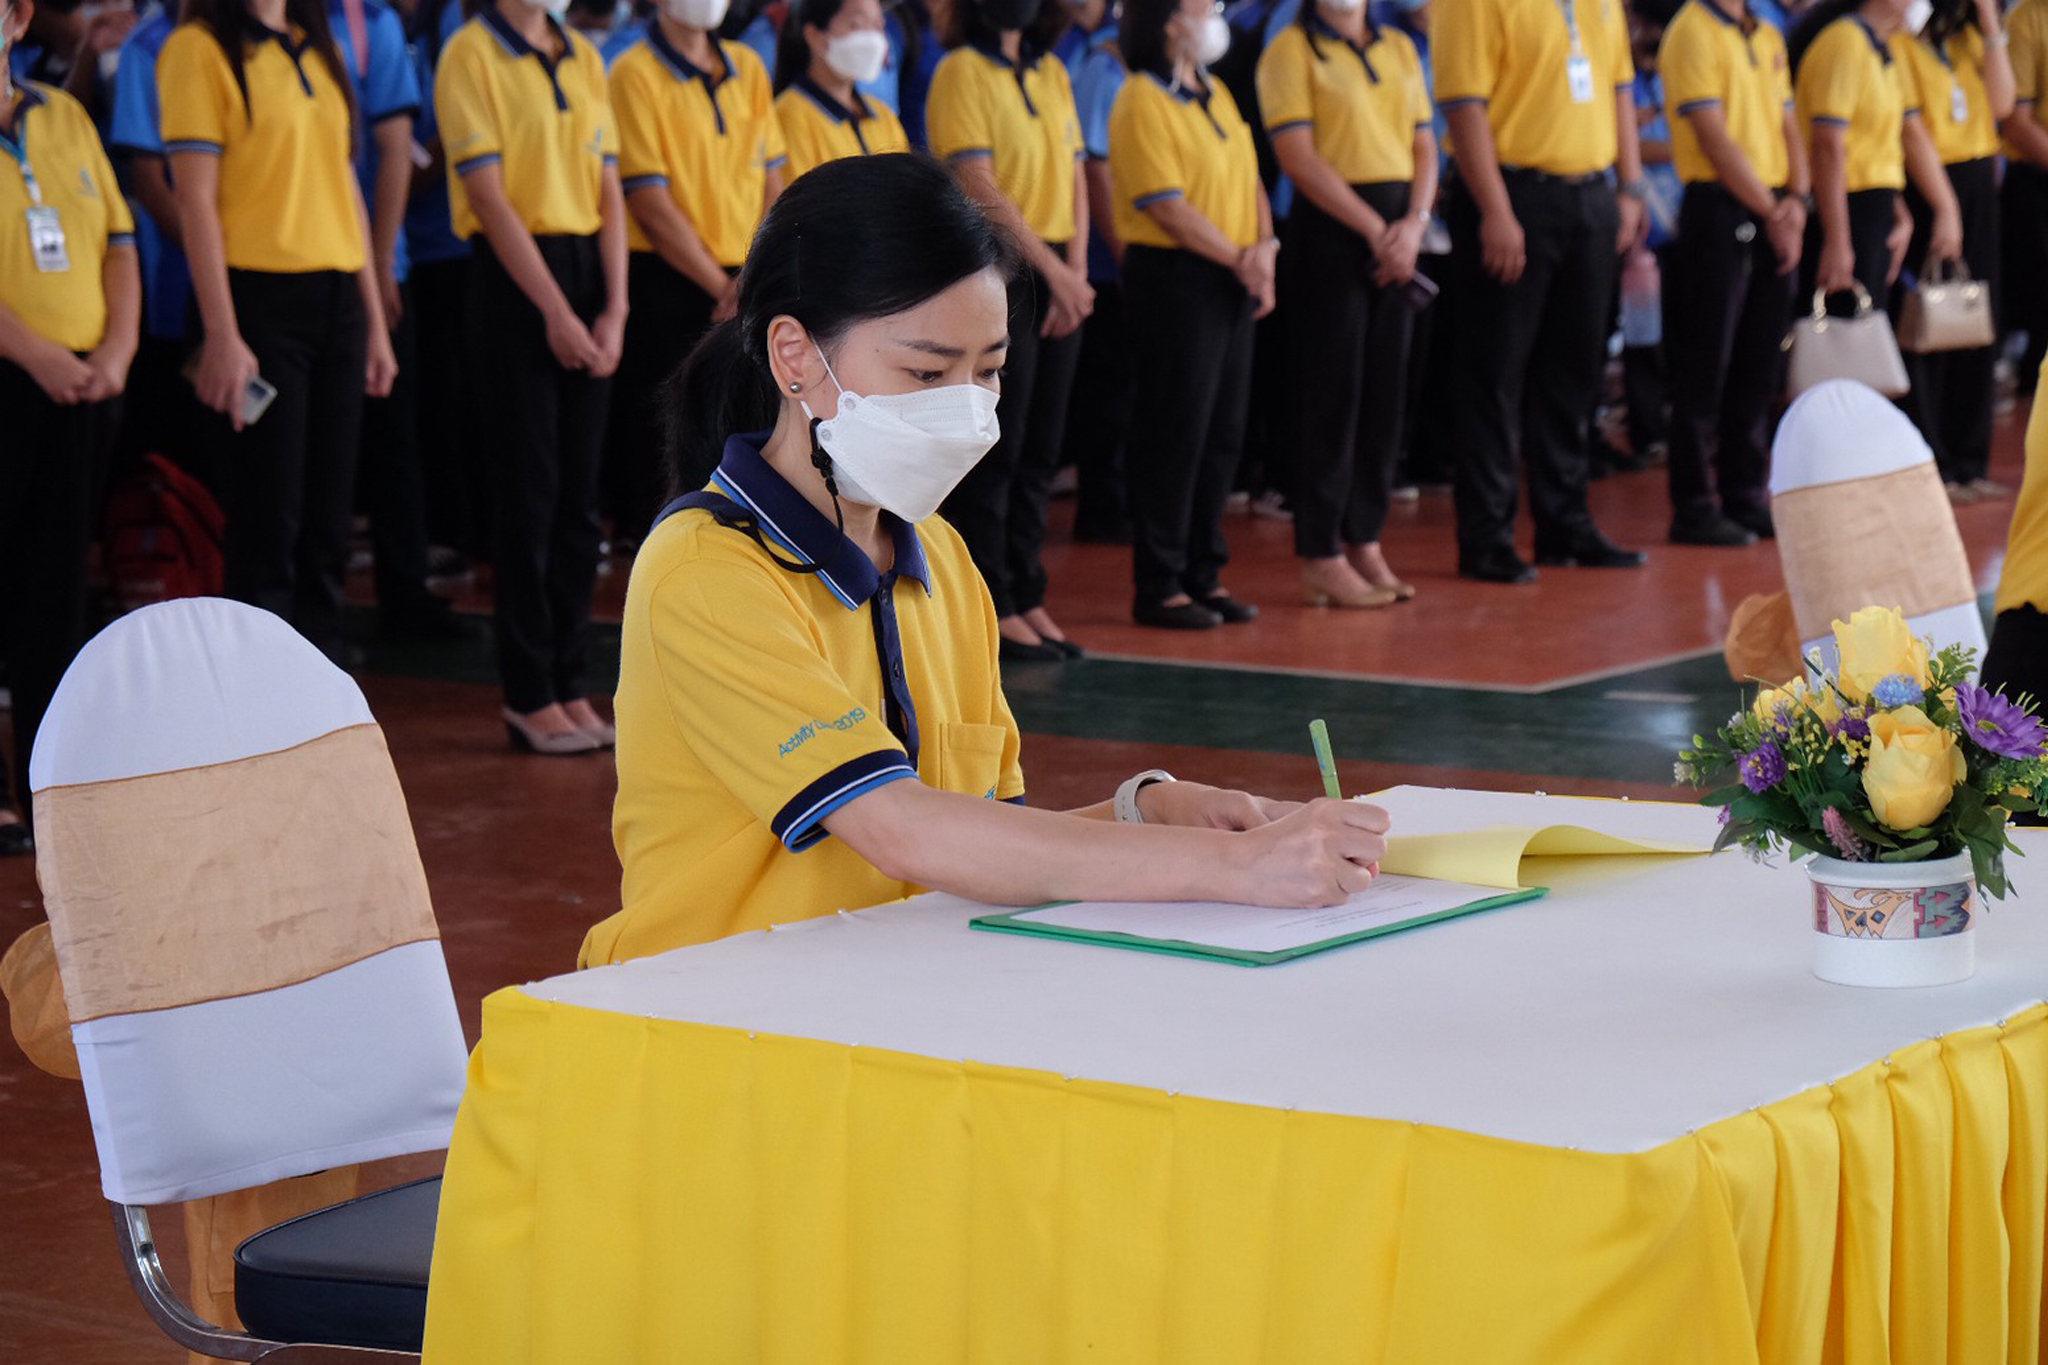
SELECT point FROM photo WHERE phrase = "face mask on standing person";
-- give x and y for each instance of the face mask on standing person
(704, 14)
(857, 56)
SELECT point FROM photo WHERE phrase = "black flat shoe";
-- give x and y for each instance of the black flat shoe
(1230, 610)
(16, 840)
(1017, 652)
(1755, 519)
(1186, 616)
(1067, 648)
(1496, 566)
(1713, 531)
(1594, 551)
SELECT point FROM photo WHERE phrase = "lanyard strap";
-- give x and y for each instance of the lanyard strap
(18, 150)
(1571, 26)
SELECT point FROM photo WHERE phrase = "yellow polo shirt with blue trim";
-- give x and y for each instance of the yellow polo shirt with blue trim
(1169, 143)
(1361, 104)
(2026, 31)
(54, 140)
(1513, 57)
(1849, 79)
(817, 128)
(1738, 66)
(1947, 80)
(754, 701)
(1023, 118)
(545, 123)
(708, 137)
(286, 194)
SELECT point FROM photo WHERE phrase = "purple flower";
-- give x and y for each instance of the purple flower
(1842, 837)
(1898, 690)
(1763, 767)
(1853, 725)
(1998, 725)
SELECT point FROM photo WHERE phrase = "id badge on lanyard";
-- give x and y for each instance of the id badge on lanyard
(45, 228)
(1578, 67)
(1958, 103)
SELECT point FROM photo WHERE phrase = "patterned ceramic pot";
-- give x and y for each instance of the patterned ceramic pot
(1894, 924)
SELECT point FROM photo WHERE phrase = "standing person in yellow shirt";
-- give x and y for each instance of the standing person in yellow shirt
(1199, 262)
(1864, 137)
(526, 126)
(1728, 274)
(700, 159)
(1347, 107)
(827, 50)
(1954, 61)
(2023, 198)
(259, 123)
(1001, 112)
(1539, 96)
(70, 310)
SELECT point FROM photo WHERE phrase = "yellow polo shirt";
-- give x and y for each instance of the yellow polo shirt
(1513, 56)
(1166, 143)
(2027, 30)
(2024, 580)
(1362, 105)
(708, 137)
(1710, 60)
(1945, 82)
(753, 702)
(1024, 120)
(1850, 79)
(816, 128)
(546, 125)
(287, 185)
(54, 138)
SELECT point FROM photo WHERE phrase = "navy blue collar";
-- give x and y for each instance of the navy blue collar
(828, 105)
(1028, 55)
(788, 518)
(515, 43)
(1319, 27)
(682, 67)
(1181, 92)
(30, 98)
(1877, 44)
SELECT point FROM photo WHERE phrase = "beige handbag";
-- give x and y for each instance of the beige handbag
(1947, 311)
(1860, 348)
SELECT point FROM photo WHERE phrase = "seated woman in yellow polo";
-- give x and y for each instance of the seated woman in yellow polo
(810, 713)
(827, 50)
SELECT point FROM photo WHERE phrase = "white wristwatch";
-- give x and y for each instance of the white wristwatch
(1126, 804)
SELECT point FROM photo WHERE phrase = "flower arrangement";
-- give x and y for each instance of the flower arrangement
(1898, 757)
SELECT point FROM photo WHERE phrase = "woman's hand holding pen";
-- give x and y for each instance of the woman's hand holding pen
(1321, 854)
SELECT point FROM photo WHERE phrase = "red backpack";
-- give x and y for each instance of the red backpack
(163, 537)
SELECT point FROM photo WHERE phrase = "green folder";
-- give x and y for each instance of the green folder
(1012, 922)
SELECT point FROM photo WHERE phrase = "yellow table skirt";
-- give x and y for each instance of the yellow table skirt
(624, 1190)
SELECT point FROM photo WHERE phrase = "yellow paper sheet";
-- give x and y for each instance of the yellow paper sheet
(1483, 837)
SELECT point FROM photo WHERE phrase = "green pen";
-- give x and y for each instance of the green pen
(1319, 735)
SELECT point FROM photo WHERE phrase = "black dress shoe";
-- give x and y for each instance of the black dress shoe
(1496, 566)
(1017, 652)
(1186, 616)
(1591, 551)
(1756, 520)
(15, 839)
(1229, 610)
(1711, 530)
(1067, 648)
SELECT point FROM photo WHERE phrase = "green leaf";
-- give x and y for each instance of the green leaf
(1912, 853)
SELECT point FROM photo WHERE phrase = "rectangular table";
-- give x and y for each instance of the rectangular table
(1623, 1123)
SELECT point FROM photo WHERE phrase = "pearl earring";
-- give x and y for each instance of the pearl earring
(795, 387)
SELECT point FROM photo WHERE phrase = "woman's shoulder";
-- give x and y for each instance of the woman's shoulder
(61, 107)
(192, 41)
(691, 561)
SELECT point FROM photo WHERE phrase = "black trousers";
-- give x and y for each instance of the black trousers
(1952, 392)
(545, 427)
(289, 480)
(1872, 216)
(999, 508)
(1099, 415)
(393, 481)
(670, 313)
(457, 485)
(1191, 353)
(1348, 341)
(1529, 361)
(2023, 241)
(1726, 309)
(47, 464)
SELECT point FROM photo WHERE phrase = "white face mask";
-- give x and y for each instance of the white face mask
(1212, 40)
(1345, 6)
(705, 14)
(904, 452)
(857, 56)
(1917, 15)
(555, 8)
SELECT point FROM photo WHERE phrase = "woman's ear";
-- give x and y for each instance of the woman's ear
(794, 360)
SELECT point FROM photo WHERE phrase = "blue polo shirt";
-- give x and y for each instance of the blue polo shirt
(1101, 76)
(429, 232)
(387, 86)
(136, 129)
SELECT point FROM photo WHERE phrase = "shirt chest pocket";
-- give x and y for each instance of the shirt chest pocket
(971, 758)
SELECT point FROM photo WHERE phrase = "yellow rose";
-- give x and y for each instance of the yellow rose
(1799, 698)
(1874, 644)
(1914, 767)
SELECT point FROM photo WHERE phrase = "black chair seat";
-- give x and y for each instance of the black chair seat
(351, 1275)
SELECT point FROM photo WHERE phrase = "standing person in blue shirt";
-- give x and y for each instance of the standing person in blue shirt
(1099, 413)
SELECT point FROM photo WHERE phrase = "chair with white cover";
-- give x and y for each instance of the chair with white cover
(254, 977)
(1863, 520)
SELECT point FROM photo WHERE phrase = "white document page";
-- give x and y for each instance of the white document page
(1390, 900)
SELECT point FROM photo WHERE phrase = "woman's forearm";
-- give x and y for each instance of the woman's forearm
(195, 177)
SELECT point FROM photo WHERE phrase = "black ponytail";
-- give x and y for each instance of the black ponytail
(1809, 26)
(860, 238)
